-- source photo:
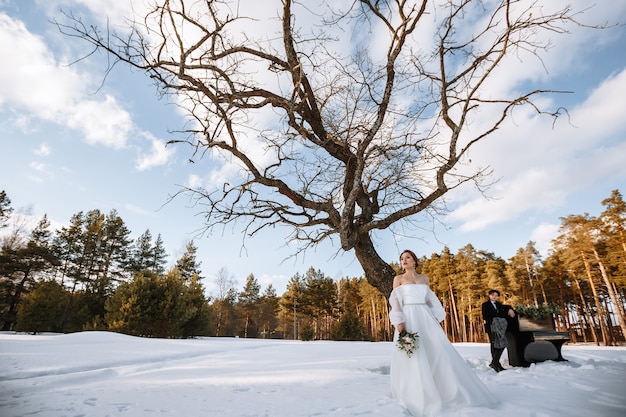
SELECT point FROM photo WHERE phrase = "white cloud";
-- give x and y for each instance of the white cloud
(39, 172)
(534, 189)
(33, 81)
(543, 235)
(279, 282)
(112, 12)
(35, 178)
(37, 166)
(139, 210)
(159, 154)
(39, 85)
(43, 150)
(194, 181)
(602, 113)
(102, 122)
(539, 165)
(567, 48)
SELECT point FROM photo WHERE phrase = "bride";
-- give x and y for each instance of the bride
(435, 377)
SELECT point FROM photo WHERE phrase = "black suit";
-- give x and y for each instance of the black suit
(489, 313)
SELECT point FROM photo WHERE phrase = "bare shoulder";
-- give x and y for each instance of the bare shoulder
(397, 281)
(424, 279)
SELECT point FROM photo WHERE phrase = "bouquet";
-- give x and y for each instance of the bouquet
(407, 342)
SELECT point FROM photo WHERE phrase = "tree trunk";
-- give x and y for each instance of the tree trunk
(606, 312)
(587, 315)
(471, 337)
(377, 272)
(605, 334)
(620, 304)
(529, 274)
(16, 298)
(374, 320)
(219, 321)
(564, 323)
(609, 288)
(388, 334)
(455, 315)
(462, 327)
(543, 291)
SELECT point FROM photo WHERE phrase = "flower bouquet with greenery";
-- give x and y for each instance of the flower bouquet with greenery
(407, 342)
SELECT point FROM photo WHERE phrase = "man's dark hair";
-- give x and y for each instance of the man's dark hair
(496, 291)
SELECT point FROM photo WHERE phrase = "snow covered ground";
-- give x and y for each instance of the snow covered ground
(97, 374)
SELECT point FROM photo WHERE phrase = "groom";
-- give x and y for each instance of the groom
(494, 316)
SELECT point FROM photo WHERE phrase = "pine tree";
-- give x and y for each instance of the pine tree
(44, 308)
(467, 285)
(151, 305)
(613, 224)
(92, 236)
(199, 322)
(290, 306)
(223, 308)
(20, 266)
(495, 275)
(577, 235)
(248, 302)
(320, 301)
(268, 312)
(141, 253)
(68, 246)
(526, 261)
(93, 251)
(187, 263)
(158, 259)
(556, 276)
(347, 328)
(349, 325)
(614, 227)
(374, 310)
(5, 209)
(115, 249)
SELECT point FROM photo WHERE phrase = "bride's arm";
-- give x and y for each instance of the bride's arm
(435, 306)
(396, 315)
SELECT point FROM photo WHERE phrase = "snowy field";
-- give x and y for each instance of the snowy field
(98, 374)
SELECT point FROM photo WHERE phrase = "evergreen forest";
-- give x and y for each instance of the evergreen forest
(90, 275)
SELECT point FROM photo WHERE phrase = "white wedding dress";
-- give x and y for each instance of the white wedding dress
(435, 377)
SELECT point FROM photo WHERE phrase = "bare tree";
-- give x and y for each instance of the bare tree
(334, 138)
(224, 301)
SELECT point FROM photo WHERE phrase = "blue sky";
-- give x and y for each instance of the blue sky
(70, 143)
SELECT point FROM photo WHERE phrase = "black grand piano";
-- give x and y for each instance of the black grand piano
(532, 341)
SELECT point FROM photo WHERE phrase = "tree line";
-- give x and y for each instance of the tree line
(90, 275)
